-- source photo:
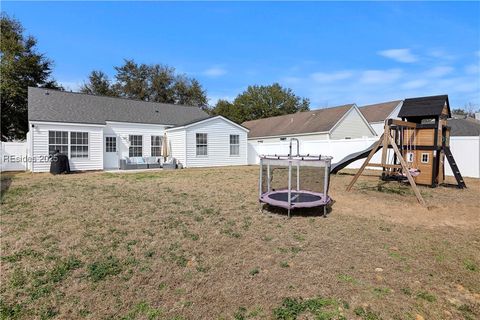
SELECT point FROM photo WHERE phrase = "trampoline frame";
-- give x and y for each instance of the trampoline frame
(296, 161)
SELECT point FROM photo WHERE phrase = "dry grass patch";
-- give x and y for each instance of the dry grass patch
(191, 244)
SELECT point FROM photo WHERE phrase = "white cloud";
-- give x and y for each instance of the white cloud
(215, 71)
(373, 86)
(400, 55)
(331, 76)
(439, 71)
(441, 54)
(380, 76)
(472, 69)
(415, 84)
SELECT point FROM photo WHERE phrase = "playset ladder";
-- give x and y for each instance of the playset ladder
(453, 165)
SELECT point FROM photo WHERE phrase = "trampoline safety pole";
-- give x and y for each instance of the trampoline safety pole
(289, 186)
(325, 185)
(298, 176)
(260, 179)
(268, 176)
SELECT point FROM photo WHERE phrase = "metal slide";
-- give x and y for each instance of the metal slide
(351, 158)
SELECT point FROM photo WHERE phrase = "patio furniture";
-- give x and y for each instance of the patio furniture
(141, 163)
(170, 165)
(153, 163)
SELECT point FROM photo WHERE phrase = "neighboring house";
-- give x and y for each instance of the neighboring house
(464, 127)
(95, 132)
(377, 113)
(343, 122)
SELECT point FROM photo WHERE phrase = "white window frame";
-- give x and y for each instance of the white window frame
(82, 144)
(410, 157)
(130, 145)
(428, 157)
(203, 144)
(237, 145)
(58, 144)
(156, 147)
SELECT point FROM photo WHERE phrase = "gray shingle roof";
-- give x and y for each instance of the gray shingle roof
(62, 106)
(464, 127)
(319, 120)
(380, 111)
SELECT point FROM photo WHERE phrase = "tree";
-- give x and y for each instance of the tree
(21, 66)
(228, 110)
(469, 110)
(189, 92)
(132, 81)
(156, 83)
(262, 102)
(162, 80)
(98, 83)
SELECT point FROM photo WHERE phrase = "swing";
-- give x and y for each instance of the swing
(411, 149)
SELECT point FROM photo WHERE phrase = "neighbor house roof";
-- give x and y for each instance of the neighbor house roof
(464, 127)
(61, 106)
(424, 106)
(380, 111)
(321, 120)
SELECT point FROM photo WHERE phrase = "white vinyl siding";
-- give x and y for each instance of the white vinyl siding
(176, 141)
(40, 135)
(218, 131)
(122, 130)
(378, 127)
(352, 126)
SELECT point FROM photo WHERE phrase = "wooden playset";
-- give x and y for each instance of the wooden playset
(420, 143)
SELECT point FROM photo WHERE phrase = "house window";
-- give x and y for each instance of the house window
(136, 146)
(425, 157)
(156, 150)
(201, 144)
(410, 157)
(58, 140)
(78, 144)
(111, 144)
(234, 144)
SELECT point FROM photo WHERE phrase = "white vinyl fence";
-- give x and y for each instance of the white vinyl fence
(14, 156)
(466, 151)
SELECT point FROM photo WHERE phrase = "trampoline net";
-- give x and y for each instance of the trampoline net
(305, 175)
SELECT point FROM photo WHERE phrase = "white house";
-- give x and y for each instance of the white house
(342, 122)
(377, 113)
(96, 132)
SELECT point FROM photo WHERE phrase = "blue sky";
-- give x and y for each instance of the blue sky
(331, 52)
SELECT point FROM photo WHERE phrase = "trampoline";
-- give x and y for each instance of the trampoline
(295, 181)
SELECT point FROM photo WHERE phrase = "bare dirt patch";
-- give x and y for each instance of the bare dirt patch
(191, 244)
